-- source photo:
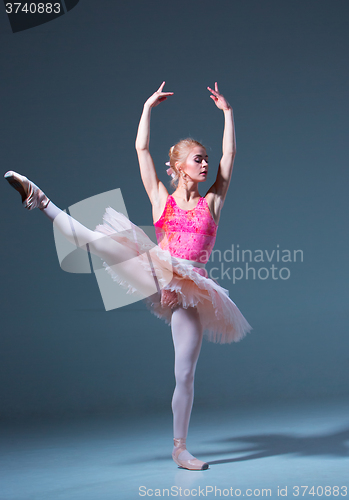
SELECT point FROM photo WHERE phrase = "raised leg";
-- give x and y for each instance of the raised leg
(112, 252)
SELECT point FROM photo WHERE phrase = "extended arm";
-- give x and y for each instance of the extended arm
(225, 169)
(148, 173)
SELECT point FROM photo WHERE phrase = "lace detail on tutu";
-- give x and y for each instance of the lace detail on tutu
(220, 317)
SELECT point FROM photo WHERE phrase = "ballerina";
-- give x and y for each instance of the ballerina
(170, 276)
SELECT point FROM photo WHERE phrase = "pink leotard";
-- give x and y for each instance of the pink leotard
(187, 234)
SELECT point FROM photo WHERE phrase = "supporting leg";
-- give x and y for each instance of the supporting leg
(187, 340)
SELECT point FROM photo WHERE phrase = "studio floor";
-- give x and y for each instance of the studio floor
(285, 450)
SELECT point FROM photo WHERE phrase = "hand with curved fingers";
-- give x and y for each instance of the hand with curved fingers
(158, 96)
(219, 99)
(169, 298)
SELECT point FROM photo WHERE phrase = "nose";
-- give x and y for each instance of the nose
(204, 162)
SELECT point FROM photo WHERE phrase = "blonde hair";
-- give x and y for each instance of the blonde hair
(179, 153)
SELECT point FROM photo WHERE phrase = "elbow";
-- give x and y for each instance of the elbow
(140, 147)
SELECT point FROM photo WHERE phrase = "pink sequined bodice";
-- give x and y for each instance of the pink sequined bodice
(187, 234)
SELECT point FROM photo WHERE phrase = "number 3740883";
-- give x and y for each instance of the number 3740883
(319, 491)
(33, 8)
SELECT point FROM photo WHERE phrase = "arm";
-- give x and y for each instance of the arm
(151, 182)
(220, 187)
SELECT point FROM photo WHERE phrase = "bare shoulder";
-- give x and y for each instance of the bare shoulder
(159, 201)
(215, 204)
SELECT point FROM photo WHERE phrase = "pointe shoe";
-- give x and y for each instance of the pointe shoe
(32, 196)
(191, 464)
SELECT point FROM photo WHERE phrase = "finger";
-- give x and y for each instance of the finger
(161, 87)
(216, 87)
(213, 92)
(166, 93)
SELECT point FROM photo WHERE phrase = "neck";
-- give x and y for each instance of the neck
(187, 192)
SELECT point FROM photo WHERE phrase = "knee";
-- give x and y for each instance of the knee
(102, 246)
(185, 378)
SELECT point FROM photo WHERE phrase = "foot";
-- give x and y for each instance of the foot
(184, 459)
(32, 196)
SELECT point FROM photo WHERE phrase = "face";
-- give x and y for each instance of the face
(196, 165)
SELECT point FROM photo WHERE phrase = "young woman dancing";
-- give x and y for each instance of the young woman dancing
(186, 226)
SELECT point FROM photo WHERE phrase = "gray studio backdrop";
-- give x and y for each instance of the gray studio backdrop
(72, 92)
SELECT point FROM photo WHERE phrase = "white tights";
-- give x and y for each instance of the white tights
(187, 340)
(105, 247)
(185, 323)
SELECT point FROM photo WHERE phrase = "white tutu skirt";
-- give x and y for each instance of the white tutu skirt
(221, 319)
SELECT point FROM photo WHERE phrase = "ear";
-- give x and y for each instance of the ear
(178, 166)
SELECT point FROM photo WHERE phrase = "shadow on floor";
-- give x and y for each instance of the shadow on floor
(335, 444)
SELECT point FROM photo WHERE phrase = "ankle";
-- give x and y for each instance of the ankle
(180, 443)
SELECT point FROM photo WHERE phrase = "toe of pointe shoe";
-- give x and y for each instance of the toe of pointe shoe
(19, 183)
(11, 174)
(32, 196)
(196, 464)
(191, 464)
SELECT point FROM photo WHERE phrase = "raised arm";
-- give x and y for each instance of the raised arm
(220, 187)
(152, 184)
